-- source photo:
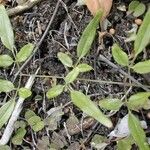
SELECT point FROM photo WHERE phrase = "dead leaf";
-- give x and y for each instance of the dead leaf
(122, 130)
(95, 5)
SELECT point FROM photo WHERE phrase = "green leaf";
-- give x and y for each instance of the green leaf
(55, 91)
(133, 5)
(84, 68)
(138, 100)
(34, 120)
(136, 8)
(18, 137)
(24, 52)
(147, 105)
(89, 107)
(110, 104)
(6, 86)
(24, 93)
(137, 132)
(140, 9)
(29, 114)
(88, 36)
(5, 61)
(99, 142)
(143, 36)
(20, 124)
(6, 111)
(36, 123)
(72, 75)
(4, 147)
(65, 59)
(120, 56)
(6, 32)
(39, 126)
(142, 67)
(125, 144)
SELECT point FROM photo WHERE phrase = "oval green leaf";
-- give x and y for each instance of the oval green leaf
(55, 91)
(125, 144)
(119, 55)
(143, 36)
(110, 104)
(72, 75)
(38, 126)
(29, 114)
(84, 68)
(24, 93)
(6, 86)
(137, 132)
(6, 111)
(5, 61)
(139, 10)
(142, 67)
(6, 32)
(65, 59)
(138, 100)
(136, 8)
(133, 5)
(88, 36)
(33, 120)
(4, 147)
(24, 52)
(36, 123)
(18, 137)
(89, 107)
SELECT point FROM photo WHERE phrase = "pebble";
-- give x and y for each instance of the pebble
(112, 31)
(138, 21)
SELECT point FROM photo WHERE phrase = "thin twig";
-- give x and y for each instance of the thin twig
(102, 58)
(89, 80)
(40, 42)
(10, 126)
(21, 8)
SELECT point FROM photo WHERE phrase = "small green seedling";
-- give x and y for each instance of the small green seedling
(34, 121)
(78, 98)
(139, 100)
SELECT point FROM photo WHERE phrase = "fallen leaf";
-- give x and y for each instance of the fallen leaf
(96, 5)
(122, 129)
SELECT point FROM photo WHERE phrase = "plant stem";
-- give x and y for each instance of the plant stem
(89, 80)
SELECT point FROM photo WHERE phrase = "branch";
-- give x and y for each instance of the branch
(102, 58)
(21, 8)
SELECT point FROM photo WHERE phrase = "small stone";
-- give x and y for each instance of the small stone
(36, 30)
(148, 115)
(138, 21)
(43, 27)
(112, 31)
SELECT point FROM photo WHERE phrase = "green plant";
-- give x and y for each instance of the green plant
(7, 38)
(34, 121)
(139, 100)
(135, 102)
(78, 98)
(136, 8)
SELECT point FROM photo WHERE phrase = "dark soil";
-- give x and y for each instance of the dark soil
(69, 25)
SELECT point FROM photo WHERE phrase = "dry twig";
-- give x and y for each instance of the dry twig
(21, 8)
(102, 58)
